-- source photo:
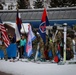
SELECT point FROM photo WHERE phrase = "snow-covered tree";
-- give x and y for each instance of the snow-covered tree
(62, 3)
(23, 4)
(1, 7)
(38, 4)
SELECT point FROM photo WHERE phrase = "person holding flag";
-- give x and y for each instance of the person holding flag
(17, 37)
(18, 34)
(6, 41)
(42, 32)
(43, 24)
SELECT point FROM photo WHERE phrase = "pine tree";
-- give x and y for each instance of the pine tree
(38, 4)
(62, 3)
(22, 4)
(1, 7)
(72, 3)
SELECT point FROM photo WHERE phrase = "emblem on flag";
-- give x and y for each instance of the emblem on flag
(42, 27)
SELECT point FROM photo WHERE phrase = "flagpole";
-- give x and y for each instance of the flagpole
(22, 23)
(65, 31)
(21, 20)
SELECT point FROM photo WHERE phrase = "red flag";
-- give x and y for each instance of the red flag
(44, 15)
(43, 24)
(4, 35)
(56, 59)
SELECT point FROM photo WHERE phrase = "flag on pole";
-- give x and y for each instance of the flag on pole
(30, 38)
(18, 27)
(18, 21)
(43, 24)
(4, 34)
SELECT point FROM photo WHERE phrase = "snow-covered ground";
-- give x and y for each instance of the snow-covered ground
(31, 68)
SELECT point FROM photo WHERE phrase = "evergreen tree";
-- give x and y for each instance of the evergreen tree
(22, 4)
(72, 3)
(1, 7)
(38, 4)
(62, 3)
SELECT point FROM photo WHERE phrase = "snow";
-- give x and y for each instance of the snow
(31, 68)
